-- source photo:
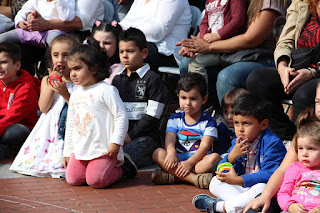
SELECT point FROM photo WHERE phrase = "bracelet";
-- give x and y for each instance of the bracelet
(312, 72)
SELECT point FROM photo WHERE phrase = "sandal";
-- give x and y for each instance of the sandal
(162, 177)
(202, 180)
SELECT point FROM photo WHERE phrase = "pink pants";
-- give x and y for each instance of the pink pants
(97, 173)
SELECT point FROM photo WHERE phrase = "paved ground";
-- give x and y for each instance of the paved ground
(30, 194)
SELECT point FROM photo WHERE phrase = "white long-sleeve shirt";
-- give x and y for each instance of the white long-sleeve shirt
(96, 118)
(87, 10)
(56, 9)
(164, 22)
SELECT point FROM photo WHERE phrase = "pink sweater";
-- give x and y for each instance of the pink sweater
(300, 185)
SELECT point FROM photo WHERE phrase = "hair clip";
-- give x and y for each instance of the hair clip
(85, 42)
(114, 23)
(97, 23)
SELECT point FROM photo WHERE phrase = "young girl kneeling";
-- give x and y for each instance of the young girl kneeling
(97, 122)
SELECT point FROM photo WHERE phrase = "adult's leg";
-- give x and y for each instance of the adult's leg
(10, 36)
(212, 73)
(304, 96)
(183, 66)
(51, 35)
(235, 75)
(266, 83)
(140, 150)
(103, 171)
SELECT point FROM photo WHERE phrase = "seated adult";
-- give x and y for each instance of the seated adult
(284, 82)
(261, 16)
(164, 22)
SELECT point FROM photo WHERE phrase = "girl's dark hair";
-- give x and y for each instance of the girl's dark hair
(192, 80)
(109, 27)
(231, 97)
(94, 58)
(307, 126)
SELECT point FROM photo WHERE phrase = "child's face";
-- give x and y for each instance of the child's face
(248, 127)
(107, 41)
(59, 55)
(80, 73)
(308, 152)
(317, 103)
(131, 56)
(228, 116)
(191, 102)
(8, 69)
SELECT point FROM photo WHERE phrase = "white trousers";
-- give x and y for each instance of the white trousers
(236, 197)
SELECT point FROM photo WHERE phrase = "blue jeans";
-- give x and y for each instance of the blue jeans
(235, 75)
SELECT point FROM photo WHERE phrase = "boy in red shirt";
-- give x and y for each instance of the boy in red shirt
(19, 93)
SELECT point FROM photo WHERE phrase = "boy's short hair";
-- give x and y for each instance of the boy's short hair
(250, 104)
(12, 49)
(135, 35)
(192, 80)
(230, 98)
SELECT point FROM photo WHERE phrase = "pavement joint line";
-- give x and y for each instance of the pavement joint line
(48, 204)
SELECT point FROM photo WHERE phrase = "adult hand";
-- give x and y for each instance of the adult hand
(113, 150)
(258, 202)
(284, 73)
(195, 44)
(184, 167)
(230, 177)
(171, 161)
(301, 76)
(38, 23)
(296, 208)
(315, 210)
(184, 51)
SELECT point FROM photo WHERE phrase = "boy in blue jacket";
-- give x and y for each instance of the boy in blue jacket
(255, 154)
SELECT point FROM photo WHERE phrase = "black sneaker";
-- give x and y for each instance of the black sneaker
(129, 167)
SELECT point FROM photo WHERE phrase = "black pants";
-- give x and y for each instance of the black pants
(12, 140)
(266, 82)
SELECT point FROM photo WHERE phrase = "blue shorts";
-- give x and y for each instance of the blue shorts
(186, 155)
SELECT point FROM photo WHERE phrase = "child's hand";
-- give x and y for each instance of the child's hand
(230, 177)
(66, 161)
(23, 25)
(211, 37)
(60, 88)
(184, 167)
(113, 150)
(296, 208)
(315, 210)
(171, 161)
(240, 148)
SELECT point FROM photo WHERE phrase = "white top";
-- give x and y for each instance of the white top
(56, 9)
(66, 10)
(96, 118)
(164, 22)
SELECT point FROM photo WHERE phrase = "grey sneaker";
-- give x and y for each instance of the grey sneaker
(129, 168)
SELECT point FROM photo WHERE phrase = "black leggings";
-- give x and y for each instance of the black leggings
(266, 82)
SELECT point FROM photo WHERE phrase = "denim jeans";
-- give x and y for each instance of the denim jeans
(235, 75)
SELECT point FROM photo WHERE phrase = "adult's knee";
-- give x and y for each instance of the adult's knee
(15, 135)
(261, 80)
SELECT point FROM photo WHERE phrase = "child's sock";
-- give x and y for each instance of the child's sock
(219, 206)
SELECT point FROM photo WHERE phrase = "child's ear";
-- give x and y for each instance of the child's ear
(264, 124)
(18, 65)
(145, 53)
(204, 99)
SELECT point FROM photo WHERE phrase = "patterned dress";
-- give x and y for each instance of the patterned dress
(42, 153)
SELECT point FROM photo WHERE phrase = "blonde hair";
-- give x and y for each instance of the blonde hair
(307, 126)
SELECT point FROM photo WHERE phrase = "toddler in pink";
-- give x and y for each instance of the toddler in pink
(300, 190)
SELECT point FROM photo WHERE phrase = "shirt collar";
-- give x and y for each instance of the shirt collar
(141, 71)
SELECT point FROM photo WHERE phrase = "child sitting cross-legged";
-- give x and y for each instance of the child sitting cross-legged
(189, 138)
(255, 154)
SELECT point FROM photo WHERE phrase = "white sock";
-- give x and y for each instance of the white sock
(219, 206)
